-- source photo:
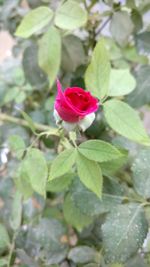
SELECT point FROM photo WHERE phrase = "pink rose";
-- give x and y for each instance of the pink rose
(74, 104)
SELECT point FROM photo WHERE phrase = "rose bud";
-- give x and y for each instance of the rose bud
(73, 107)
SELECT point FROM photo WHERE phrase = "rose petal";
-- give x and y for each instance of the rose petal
(64, 109)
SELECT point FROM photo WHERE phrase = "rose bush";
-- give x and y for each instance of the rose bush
(75, 198)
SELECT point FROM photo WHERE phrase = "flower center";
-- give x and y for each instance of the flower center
(78, 100)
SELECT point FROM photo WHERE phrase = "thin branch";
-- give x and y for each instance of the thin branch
(40, 127)
(12, 247)
(103, 25)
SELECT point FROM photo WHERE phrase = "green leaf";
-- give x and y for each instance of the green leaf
(131, 54)
(121, 64)
(3, 262)
(16, 215)
(137, 20)
(140, 96)
(17, 145)
(70, 16)
(141, 173)
(59, 184)
(124, 232)
(73, 54)
(90, 174)
(11, 94)
(37, 78)
(23, 184)
(34, 167)
(62, 163)
(34, 21)
(83, 254)
(129, 146)
(88, 203)
(74, 216)
(49, 239)
(4, 238)
(23, 257)
(137, 261)
(98, 72)
(122, 82)
(20, 97)
(49, 55)
(29, 120)
(98, 150)
(131, 4)
(143, 41)
(114, 50)
(113, 166)
(125, 121)
(121, 27)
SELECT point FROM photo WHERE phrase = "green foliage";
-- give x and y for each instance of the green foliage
(136, 261)
(29, 121)
(98, 150)
(73, 54)
(142, 41)
(33, 73)
(9, 96)
(70, 16)
(34, 21)
(90, 204)
(50, 53)
(48, 236)
(121, 82)
(124, 120)
(98, 72)
(16, 215)
(112, 167)
(59, 184)
(23, 184)
(17, 145)
(74, 216)
(3, 262)
(141, 173)
(82, 254)
(140, 96)
(90, 174)
(121, 27)
(34, 169)
(136, 19)
(4, 240)
(124, 222)
(62, 163)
